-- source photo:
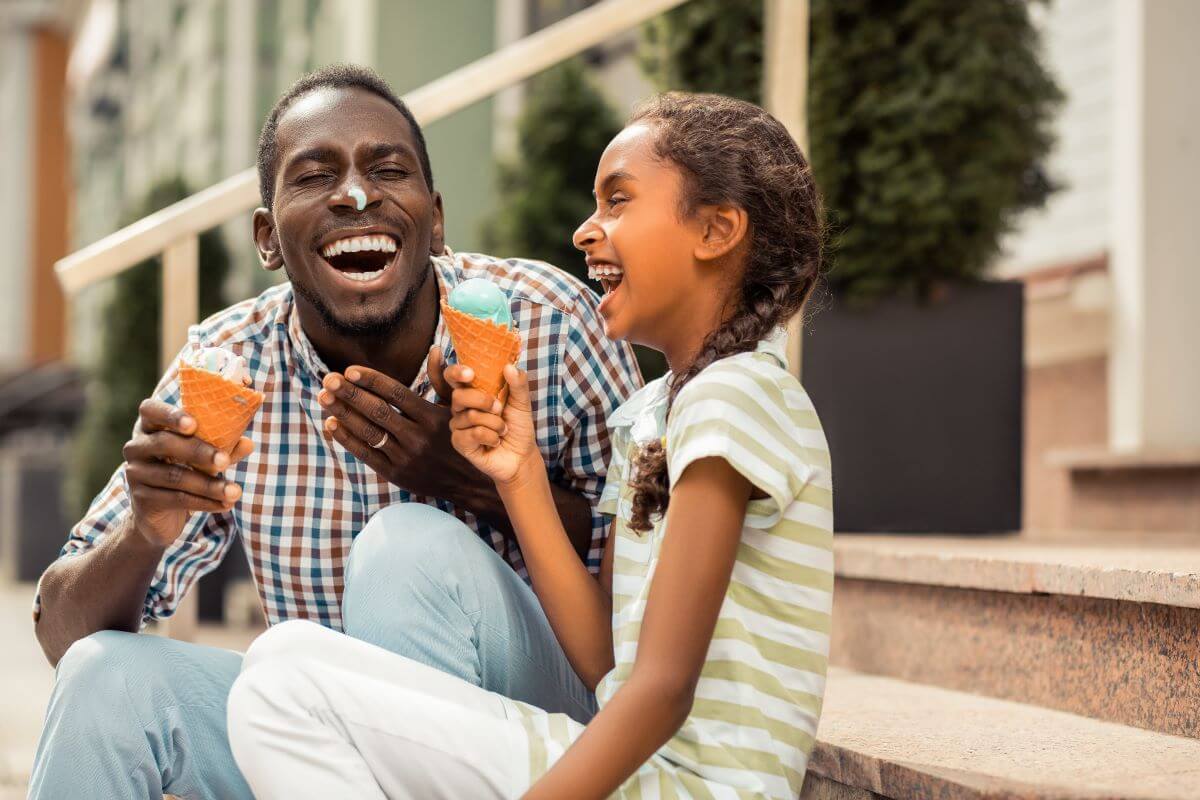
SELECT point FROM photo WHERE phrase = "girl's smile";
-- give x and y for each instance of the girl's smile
(610, 277)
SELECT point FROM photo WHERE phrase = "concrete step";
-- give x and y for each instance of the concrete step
(1105, 628)
(1155, 489)
(881, 737)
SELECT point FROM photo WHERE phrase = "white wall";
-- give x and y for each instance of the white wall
(16, 77)
(1078, 41)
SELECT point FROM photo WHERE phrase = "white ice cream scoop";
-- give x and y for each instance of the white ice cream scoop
(229, 366)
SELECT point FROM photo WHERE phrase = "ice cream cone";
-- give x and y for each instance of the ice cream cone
(483, 346)
(222, 409)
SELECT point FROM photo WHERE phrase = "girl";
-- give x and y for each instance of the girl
(707, 636)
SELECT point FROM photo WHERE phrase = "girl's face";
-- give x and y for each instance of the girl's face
(637, 244)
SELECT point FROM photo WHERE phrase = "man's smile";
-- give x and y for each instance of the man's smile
(360, 255)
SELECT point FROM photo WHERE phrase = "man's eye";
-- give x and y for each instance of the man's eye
(392, 173)
(313, 177)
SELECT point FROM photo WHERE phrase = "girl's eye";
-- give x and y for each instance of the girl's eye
(617, 199)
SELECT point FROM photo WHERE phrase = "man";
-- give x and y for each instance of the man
(353, 430)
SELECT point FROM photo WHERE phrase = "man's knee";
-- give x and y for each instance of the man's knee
(407, 536)
(286, 641)
(101, 655)
(95, 669)
(407, 554)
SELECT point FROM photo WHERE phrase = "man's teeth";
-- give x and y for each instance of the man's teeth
(355, 244)
(600, 271)
(363, 277)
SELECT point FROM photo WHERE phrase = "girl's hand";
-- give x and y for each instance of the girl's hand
(498, 439)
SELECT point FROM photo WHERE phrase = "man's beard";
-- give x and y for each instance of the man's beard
(369, 328)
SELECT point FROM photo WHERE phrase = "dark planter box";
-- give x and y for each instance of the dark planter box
(922, 406)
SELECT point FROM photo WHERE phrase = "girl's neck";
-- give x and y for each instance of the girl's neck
(690, 335)
(690, 330)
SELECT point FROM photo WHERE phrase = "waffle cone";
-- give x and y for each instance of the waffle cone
(483, 346)
(222, 409)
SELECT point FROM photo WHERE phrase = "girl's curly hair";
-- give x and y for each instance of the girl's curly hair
(731, 152)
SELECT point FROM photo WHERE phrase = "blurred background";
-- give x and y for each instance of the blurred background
(1004, 354)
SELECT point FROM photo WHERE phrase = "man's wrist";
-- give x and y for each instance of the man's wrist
(131, 538)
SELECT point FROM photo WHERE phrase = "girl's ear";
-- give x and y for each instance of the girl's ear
(723, 229)
(265, 240)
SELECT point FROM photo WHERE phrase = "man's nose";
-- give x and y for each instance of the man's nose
(354, 193)
(589, 234)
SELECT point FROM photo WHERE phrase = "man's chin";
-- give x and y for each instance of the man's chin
(367, 324)
(366, 321)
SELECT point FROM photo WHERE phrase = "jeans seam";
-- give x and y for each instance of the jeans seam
(479, 610)
(570, 696)
(133, 709)
(142, 725)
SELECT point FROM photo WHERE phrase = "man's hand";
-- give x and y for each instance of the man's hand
(366, 407)
(171, 473)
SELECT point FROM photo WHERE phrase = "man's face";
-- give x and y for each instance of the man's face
(353, 219)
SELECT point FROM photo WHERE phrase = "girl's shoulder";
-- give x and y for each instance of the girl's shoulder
(751, 411)
(748, 383)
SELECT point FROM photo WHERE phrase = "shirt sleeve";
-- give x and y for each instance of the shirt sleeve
(740, 416)
(199, 550)
(597, 375)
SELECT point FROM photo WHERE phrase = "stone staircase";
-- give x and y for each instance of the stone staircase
(1013, 667)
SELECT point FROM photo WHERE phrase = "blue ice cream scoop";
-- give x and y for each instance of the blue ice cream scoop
(482, 299)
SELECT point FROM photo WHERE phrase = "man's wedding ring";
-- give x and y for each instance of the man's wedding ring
(382, 441)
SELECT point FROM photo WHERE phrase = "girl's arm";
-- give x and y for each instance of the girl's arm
(502, 446)
(704, 525)
(578, 607)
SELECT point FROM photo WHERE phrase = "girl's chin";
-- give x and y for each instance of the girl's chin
(614, 311)
(614, 329)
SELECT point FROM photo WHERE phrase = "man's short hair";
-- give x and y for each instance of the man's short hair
(336, 76)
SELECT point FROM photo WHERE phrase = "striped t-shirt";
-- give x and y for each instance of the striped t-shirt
(753, 723)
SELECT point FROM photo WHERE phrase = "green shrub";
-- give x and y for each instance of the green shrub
(128, 368)
(929, 123)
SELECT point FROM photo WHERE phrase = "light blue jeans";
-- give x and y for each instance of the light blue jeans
(134, 715)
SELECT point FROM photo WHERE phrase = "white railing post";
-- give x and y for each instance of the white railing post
(785, 95)
(180, 309)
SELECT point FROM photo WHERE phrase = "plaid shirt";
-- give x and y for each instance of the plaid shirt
(305, 497)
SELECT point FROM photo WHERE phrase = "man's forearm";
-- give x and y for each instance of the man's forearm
(573, 508)
(104, 589)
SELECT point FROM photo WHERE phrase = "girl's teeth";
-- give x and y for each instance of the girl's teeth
(604, 271)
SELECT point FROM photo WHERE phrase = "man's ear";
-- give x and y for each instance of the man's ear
(723, 229)
(265, 240)
(437, 235)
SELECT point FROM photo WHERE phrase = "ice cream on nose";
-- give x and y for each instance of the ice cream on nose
(213, 390)
(479, 318)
